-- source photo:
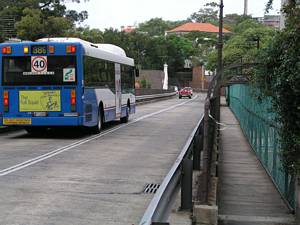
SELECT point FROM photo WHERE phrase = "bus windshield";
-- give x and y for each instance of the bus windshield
(59, 70)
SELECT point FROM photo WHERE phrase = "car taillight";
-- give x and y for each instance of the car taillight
(5, 101)
(73, 100)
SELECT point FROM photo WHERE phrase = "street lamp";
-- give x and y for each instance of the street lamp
(207, 108)
(220, 44)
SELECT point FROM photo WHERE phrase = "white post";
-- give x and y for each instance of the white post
(282, 17)
(165, 85)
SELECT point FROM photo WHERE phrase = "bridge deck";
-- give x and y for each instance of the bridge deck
(247, 195)
(69, 177)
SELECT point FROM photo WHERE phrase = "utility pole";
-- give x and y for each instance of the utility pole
(219, 57)
(245, 7)
(207, 109)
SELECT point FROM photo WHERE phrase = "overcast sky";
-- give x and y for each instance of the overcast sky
(117, 13)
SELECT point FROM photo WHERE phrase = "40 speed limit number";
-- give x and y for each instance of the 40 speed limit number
(39, 64)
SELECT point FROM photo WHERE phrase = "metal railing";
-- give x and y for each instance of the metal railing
(181, 173)
(258, 125)
(143, 98)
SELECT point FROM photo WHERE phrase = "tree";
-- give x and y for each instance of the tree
(150, 52)
(157, 26)
(208, 14)
(87, 34)
(279, 78)
(230, 20)
(40, 18)
(243, 47)
(31, 26)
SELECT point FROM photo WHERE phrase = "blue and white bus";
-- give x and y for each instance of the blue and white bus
(58, 82)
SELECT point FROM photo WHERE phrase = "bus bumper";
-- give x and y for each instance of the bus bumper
(42, 121)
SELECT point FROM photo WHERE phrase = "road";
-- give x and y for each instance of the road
(73, 178)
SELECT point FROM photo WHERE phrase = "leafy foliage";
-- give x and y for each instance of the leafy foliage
(144, 83)
(40, 18)
(85, 33)
(231, 20)
(158, 26)
(150, 52)
(208, 14)
(279, 77)
(248, 39)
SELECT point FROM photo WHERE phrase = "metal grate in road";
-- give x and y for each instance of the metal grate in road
(151, 188)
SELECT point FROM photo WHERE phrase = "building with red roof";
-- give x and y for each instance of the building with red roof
(127, 29)
(196, 27)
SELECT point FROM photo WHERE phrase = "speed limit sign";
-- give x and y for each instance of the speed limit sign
(39, 64)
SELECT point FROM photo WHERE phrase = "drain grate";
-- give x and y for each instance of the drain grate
(151, 188)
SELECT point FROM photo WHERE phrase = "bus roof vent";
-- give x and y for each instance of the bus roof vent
(63, 40)
(112, 49)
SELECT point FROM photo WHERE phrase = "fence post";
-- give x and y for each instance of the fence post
(197, 152)
(205, 174)
(186, 185)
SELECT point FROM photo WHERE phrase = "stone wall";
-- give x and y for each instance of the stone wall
(153, 77)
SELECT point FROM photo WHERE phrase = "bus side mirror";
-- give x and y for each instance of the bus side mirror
(137, 72)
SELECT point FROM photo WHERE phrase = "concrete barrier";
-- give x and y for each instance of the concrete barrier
(205, 214)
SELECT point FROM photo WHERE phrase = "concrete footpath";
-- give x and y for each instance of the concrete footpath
(247, 195)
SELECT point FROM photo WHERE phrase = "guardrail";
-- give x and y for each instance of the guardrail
(262, 133)
(143, 98)
(181, 173)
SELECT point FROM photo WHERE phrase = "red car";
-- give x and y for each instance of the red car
(186, 92)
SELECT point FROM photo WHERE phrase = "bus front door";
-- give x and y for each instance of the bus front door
(118, 90)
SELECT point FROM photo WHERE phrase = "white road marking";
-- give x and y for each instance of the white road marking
(48, 155)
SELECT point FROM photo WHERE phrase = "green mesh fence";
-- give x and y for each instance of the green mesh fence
(257, 123)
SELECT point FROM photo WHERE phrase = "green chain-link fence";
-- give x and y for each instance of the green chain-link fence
(259, 126)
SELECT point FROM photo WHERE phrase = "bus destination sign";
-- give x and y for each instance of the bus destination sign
(39, 49)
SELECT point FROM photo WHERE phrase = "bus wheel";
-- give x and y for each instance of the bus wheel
(35, 130)
(97, 129)
(126, 118)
